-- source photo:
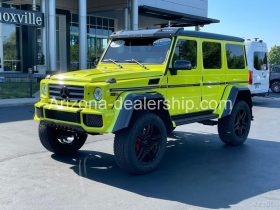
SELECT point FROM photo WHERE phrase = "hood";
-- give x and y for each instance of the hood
(98, 75)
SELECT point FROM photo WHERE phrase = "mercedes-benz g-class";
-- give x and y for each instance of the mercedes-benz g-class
(146, 84)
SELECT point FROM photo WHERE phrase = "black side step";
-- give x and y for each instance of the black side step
(199, 118)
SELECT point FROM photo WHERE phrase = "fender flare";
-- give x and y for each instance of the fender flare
(233, 95)
(125, 115)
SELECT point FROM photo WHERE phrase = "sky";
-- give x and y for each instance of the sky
(247, 19)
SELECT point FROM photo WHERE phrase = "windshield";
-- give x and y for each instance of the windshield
(143, 50)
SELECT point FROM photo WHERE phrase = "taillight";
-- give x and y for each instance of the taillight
(250, 77)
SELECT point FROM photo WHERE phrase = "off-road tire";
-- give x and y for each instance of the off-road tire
(232, 129)
(131, 144)
(50, 138)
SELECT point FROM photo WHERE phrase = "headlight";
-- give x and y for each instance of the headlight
(98, 94)
(44, 89)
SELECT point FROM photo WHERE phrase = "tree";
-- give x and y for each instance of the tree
(274, 55)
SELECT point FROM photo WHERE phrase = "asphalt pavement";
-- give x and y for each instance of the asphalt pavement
(198, 171)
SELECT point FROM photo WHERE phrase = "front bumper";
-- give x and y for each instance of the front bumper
(81, 119)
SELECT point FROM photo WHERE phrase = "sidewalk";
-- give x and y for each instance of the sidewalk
(18, 102)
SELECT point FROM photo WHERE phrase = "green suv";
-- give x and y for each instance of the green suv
(146, 84)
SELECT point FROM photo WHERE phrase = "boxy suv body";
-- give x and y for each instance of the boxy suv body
(147, 83)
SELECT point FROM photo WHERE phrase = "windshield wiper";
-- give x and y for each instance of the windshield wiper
(114, 62)
(136, 61)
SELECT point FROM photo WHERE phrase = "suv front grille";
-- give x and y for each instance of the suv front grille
(66, 92)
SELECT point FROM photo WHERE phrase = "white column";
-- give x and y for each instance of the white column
(126, 22)
(43, 31)
(34, 5)
(83, 34)
(52, 34)
(135, 15)
(1, 46)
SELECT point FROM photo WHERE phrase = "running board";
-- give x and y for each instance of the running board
(196, 119)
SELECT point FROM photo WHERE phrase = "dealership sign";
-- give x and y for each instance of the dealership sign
(21, 17)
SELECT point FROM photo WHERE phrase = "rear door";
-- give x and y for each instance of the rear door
(260, 69)
(214, 74)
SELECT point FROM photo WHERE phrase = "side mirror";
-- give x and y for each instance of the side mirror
(181, 65)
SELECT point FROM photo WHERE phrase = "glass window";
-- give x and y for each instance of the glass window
(99, 21)
(99, 29)
(186, 50)
(212, 55)
(11, 47)
(144, 50)
(111, 23)
(92, 20)
(276, 69)
(235, 56)
(75, 18)
(260, 61)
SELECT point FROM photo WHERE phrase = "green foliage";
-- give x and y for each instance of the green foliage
(212, 55)
(10, 48)
(274, 55)
(74, 49)
(186, 50)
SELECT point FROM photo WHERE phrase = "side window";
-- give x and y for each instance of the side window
(186, 50)
(235, 56)
(260, 61)
(276, 69)
(212, 55)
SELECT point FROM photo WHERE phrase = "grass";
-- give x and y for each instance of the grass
(18, 89)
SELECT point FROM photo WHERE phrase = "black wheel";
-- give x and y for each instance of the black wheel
(60, 141)
(234, 129)
(275, 87)
(140, 148)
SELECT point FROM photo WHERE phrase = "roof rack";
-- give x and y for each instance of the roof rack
(163, 32)
(171, 32)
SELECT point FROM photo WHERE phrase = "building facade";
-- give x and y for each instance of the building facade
(65, 35)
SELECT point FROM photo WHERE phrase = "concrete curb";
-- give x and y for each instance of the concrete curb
(18, 102)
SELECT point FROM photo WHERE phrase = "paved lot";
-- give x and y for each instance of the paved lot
(198, 171)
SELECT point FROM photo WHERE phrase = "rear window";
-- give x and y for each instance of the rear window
(212, 55)
(276, 69)
(235, 56)
(260, 61)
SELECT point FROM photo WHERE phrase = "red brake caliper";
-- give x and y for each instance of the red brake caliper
(138, 144)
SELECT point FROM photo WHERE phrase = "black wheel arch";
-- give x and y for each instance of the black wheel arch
(126, 115)
(236, 94)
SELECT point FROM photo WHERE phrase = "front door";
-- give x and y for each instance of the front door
(184, 88)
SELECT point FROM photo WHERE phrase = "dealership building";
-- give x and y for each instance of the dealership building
(65, 35)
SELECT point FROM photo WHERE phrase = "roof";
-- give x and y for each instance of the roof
(177, 19)
(172, 32)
